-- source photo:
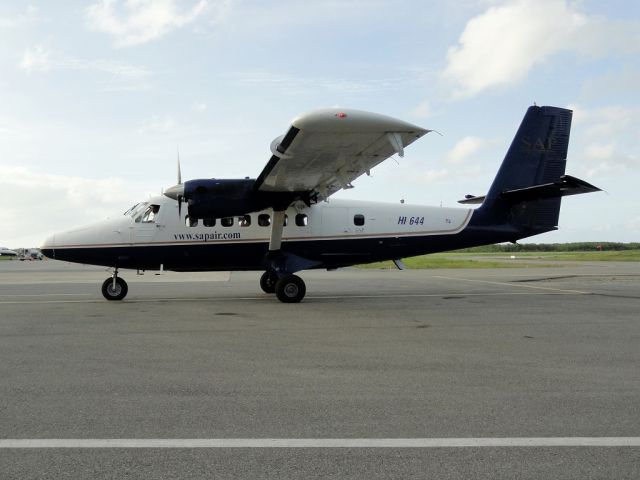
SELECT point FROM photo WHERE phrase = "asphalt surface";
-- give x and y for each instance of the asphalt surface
(521, 352)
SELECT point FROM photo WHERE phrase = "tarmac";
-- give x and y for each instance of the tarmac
(474, 373)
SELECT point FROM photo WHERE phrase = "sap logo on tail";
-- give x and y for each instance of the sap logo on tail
(537, 144)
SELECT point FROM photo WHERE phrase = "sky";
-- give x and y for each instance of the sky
(98, 97)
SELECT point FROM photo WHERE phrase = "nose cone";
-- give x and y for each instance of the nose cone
(48, 247)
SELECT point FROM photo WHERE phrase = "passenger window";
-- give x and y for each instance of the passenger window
(358, 220)
(302, 220)
(190, 222)
(286, 220)
(209, 222)
(244, 220)
(226, 222)
(264, 220)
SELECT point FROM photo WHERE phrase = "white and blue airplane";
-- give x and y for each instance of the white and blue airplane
(281, 222)
(7, 252)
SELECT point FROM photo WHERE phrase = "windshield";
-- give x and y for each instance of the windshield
(149, 215)
(137, 208)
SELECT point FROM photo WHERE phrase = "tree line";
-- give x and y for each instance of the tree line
(554, 247)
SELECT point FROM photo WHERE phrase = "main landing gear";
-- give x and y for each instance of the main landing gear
(114, 288)
(268, 282)
(289, 288)
(277, 279)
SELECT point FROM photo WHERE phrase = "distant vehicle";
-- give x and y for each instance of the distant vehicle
(281, 224)
(5, 252)
(31, 254)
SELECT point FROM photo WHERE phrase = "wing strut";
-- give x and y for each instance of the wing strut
(277, 224)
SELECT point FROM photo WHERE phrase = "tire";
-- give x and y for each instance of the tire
(117, 293)
(290, 289)
(268, 283)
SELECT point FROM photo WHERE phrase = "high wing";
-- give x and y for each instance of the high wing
(325, 150)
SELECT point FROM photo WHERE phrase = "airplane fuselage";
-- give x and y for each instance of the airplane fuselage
(329, 234)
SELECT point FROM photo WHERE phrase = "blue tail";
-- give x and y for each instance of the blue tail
(527, 190)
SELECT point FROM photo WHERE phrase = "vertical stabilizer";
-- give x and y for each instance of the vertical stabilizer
(537, 155)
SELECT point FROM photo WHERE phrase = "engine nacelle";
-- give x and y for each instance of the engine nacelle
(218, 198)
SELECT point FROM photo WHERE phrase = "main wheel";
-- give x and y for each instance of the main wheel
(268, 282)
(117, 292)
(290, 289)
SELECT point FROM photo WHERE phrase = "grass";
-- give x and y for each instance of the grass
(606, 256)
(446, 260)
(503, 260)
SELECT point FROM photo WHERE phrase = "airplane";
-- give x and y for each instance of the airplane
(283, 222)
(4, 251)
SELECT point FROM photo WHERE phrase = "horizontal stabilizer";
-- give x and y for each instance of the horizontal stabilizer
(566, 185)
(472, 199)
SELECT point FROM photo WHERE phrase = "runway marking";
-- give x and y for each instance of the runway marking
(518, 285)
(309, 297)
(500, 442)
(47, 295)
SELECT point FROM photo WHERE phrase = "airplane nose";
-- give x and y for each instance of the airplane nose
(48, 247)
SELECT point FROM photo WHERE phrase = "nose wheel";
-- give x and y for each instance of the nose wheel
(114, 288)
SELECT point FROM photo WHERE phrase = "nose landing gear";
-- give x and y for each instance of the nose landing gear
(114, 288)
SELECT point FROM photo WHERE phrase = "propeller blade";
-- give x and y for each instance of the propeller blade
(179, 172)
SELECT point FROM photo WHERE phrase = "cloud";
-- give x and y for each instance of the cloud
(500, 46)
(199, 107)
(422, 110)
(607, 137)
(622, 82)
(39, 59)
(300, 83)
(606, 158)
(157, 125)
(30, 15)
(598, 151)
(134, 22)
(605, 121)
(465, 148)
(36, 59)
(47, 203)
(422, 176)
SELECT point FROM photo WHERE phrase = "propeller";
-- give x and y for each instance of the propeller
(177, 191)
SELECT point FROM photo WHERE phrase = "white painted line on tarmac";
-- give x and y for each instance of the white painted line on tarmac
(47, 295)
(448, 295)
(535, 287)
(501, 442)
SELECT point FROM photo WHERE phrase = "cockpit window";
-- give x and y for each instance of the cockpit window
(136, 209)
(149, 215)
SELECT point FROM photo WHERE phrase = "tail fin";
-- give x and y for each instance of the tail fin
(535, 164)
